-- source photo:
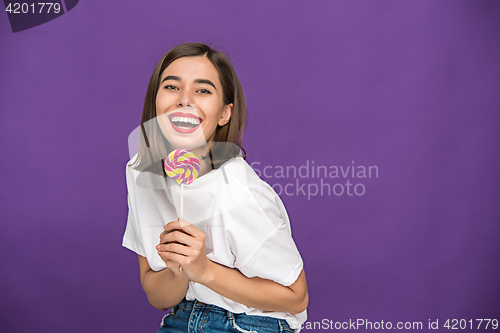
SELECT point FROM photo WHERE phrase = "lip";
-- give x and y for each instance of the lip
(186, 115)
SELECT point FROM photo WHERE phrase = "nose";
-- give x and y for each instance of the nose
(185, 99)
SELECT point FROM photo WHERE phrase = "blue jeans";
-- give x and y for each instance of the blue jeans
(193, 317)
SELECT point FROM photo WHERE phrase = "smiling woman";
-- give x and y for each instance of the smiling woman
(229, 263)
(191, 82)
(189, 104)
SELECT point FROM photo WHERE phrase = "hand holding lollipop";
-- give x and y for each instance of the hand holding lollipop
(183, 166)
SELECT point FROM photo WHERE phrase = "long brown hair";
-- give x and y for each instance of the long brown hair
(153, 147)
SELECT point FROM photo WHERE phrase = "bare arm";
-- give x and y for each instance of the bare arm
(188, 249)
(165, 288)
(262, 294)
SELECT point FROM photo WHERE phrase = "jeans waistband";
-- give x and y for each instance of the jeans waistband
(190, 305)
(185, 304)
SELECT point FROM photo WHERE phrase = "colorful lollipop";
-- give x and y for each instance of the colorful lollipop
(182, 166)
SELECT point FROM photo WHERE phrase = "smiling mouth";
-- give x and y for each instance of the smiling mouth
(184, 124)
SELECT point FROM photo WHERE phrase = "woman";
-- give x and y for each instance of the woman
(252, 277)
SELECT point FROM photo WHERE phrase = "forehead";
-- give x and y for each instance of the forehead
(191, 68)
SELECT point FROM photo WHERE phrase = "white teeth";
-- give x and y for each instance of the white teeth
(193, 121)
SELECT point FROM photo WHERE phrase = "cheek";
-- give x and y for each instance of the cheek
(204, 104)
(163, 101)
(211, 110)
(158, 104)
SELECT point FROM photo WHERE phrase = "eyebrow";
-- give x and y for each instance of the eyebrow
(176, 78)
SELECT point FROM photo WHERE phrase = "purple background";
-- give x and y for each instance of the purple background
(409, 86)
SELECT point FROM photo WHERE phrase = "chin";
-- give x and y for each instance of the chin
(186, 142)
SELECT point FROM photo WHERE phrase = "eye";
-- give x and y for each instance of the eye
(170, 87)
(204, 91)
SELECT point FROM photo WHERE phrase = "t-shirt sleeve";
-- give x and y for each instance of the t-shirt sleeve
(131, 237)
(131, 240)
(276, 258)
(264, 244)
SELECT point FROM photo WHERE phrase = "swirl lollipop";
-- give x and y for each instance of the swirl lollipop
(182, 166)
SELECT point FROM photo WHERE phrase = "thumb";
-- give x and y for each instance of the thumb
(183, 222)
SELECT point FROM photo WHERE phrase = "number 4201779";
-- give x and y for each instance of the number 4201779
(456, 324)
(41, 7)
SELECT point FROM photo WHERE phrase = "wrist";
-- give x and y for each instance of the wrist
(179, 275)
(209, 275)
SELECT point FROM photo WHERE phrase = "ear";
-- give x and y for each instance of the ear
(226, 114)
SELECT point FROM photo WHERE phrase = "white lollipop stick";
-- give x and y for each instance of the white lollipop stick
(182, 200)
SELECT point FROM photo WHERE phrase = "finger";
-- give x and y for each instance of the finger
(177, 224)
(168, 262)
(179, 259)
(173, 225)
(164, 232)
(177, 248)
(186, 227)
(178, 237)
(167, 240)
(183, 222)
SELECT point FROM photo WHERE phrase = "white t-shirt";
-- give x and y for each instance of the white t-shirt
(244, 221)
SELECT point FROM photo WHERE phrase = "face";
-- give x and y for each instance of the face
(189, 103)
